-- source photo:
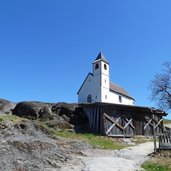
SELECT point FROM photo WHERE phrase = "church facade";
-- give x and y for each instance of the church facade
(97, 86)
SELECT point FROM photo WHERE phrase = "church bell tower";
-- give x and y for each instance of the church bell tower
(101, 76)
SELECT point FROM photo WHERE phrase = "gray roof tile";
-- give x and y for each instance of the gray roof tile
(114, 87)
(101, 57)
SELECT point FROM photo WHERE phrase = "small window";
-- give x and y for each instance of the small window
(105, 66)
(120, 99)
(105, 96)
(96, 66)
(105, 80)
(96, 96)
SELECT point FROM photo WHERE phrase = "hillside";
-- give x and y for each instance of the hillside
(38, 136)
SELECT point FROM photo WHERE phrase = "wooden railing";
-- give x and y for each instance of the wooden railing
(165, 140)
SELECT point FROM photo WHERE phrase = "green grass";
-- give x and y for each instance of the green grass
(13, 118)
(95, 140)
(152, 166)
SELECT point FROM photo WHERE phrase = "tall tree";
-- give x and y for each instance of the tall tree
(161, 87)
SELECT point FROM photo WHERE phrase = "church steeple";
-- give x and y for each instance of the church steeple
(101, 57)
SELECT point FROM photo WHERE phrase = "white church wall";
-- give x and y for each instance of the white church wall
(105, 95)
(90, 87)
(114, 98)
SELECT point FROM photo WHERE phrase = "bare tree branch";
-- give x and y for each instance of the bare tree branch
(161, 87)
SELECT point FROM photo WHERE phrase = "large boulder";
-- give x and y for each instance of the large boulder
(33, 110)
(63, 108)
(73, 111)
(61, 115)
(6, 106)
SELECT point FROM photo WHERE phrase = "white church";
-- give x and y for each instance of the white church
(97, 86)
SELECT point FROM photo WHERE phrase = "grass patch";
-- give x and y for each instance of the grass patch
(167, 121)
(160, 161)
(13, 118)
(95, 140)
(142, 139)
(152, 166)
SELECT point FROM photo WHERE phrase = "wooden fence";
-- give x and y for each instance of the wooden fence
(165, 140)
(118, 127)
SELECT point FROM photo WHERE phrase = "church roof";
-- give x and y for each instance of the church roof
(114, 87)
(101, 57)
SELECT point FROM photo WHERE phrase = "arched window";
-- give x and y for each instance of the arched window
(120, 99)
(89, 98)
(96, 66)
(105, 66)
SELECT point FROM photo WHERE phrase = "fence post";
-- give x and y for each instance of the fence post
(154, 134)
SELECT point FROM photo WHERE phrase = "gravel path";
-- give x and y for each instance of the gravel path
(128, 159)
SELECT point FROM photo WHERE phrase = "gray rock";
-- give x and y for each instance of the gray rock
(32, 110)
(76, 114)
(6, 106)
(26, 146)
(63, 108)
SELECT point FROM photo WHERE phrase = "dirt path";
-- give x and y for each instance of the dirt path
(128, 159)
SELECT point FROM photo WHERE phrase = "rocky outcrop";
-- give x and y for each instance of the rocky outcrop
(6, 106)
(73, 112)
(30, 144)
(60, 115)
(29, 147)
(33, 110)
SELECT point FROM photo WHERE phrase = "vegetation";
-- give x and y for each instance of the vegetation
(161, 87)
(12, 118)
(160, 161)
(167, 121)
(152, 166)
(94, 140)
(142, 139)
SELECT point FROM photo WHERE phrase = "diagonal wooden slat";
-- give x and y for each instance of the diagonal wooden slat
(149, 123)
(112, 126)
(158, 123)
(129, 123)
(113, 121)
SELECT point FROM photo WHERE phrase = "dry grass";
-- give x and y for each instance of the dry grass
(142, 139)
(159, 161)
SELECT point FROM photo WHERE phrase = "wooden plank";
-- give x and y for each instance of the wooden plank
(108, 131)
(129, 123)
(113, 121)
(149, 123)
(165, 141)
(158, 123)
(165, 146)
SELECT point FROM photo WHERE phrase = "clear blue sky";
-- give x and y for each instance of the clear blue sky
(47, 46)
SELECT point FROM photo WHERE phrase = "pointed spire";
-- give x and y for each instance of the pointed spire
(101, 57)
